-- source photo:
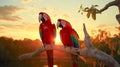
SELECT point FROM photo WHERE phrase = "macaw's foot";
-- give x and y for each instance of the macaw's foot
(77, 52)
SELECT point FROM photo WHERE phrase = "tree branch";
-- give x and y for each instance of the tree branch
(116, 2)
(91, 51)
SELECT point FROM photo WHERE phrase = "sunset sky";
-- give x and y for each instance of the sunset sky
(19, 18)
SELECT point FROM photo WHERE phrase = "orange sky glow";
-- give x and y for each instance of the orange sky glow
(19, 18)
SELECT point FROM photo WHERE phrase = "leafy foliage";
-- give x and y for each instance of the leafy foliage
(118, 51)
(10, 49)
(92, 11)
(110, 45)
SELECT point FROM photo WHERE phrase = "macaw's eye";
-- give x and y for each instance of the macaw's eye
(43, 19)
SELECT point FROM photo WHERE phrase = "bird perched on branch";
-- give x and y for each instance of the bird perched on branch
(69, 38)
(47, 32)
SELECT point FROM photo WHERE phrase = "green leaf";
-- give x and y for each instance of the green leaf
(88, 14)
(94, 16)
(81, 13)
(118, 51)
(96, 5)
(92, 7)
(86, 9)
(81, 7)
(78, 11)
(90, 11)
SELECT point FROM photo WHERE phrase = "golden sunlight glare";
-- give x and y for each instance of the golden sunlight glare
(57, 39)
(55, 65)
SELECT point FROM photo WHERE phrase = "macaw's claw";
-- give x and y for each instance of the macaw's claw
(78, 53)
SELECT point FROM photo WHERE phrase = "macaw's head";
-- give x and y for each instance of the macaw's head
(63, 23)
(44, 17)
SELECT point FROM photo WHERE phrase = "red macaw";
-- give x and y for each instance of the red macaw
(47, 32)
(69, 38)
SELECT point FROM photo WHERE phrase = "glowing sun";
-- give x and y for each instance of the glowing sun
(55, 65)
(57, 40)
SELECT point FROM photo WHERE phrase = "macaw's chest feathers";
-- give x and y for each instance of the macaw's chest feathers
(47, 33)
(65, 37)
(69, 37)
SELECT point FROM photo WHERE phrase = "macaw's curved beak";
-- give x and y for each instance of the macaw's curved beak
(39, 18)
(59, 25)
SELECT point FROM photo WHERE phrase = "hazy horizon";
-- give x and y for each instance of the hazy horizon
(19, 18)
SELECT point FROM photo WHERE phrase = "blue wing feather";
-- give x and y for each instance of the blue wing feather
(75, 38)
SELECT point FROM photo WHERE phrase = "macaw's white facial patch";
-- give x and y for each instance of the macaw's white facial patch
(39, 18)
(63, 23)
(45, 17)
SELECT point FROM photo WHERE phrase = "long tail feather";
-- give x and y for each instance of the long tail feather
(75, 60)
(50, 58)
